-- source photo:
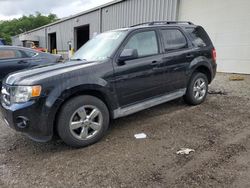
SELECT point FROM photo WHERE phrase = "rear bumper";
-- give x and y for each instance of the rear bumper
(29, 119)
(214, 71)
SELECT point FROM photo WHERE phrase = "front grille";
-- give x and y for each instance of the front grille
(5, 94)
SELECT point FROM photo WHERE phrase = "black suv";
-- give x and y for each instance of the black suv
(115, 74)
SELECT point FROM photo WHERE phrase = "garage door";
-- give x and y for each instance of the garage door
(228, 24)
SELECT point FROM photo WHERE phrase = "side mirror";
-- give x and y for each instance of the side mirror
(128, 54)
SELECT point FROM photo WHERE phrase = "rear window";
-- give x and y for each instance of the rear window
(199, 36)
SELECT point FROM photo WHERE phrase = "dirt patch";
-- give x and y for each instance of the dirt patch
(217, 130)
(217, 92)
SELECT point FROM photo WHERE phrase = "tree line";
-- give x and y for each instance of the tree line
(25, 23)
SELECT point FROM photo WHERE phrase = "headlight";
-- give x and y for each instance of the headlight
(21, 94)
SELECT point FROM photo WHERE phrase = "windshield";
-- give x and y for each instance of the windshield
(100, 47)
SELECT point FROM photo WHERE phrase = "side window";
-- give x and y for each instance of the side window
(19, 54)
(173, 39)
(30, 53)
(145, 43)
(7, 54)
(199, 37)
(11, 54)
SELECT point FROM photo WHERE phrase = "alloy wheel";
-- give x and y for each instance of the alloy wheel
(86, 122)
(199, 89)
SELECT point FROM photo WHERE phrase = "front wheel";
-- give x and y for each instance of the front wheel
(83, 121)
(197, 89)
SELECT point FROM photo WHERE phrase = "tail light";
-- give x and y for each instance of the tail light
(214, 55)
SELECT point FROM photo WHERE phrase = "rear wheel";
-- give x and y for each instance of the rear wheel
(197, 89)
(83, 121)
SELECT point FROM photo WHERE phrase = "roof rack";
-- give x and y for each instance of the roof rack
(162, 23)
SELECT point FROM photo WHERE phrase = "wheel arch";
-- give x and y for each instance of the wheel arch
(205, 70)
(96, 91)
(200, 65)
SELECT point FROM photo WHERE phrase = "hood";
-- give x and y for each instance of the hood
(45, 71)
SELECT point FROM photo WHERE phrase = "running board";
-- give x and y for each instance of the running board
(122, 112)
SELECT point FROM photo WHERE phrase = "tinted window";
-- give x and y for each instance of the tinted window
(145, 43)
(10, 54)
(173, 39)
(30, 53)
(199, 37)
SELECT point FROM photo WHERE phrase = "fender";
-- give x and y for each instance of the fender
(200, 61)
(108, 94)
(59, 95)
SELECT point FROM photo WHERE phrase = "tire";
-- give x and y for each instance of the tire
(194, 86)
(83, 121)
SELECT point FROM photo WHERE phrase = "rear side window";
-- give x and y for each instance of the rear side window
(173, 39)
(199, 36)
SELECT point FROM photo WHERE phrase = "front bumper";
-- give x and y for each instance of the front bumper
(28, 118)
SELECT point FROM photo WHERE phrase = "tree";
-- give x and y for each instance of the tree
(23, 24)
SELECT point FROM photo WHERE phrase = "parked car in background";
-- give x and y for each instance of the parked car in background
(115, 74)
(2, 42)
(14, 58)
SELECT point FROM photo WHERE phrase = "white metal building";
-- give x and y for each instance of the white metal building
(226, 21)
(79, 28)
(228, 24)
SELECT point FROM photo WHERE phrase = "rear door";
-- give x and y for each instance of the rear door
(177, 57)
(139, 79)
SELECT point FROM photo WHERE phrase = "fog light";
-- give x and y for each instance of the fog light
(22, 122)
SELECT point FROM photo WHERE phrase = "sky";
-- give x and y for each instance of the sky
(10, 9)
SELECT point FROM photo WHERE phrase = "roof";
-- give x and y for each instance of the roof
(76, 15)
(159, 24)
(153, 23)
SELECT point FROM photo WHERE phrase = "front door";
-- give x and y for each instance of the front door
(140, 79)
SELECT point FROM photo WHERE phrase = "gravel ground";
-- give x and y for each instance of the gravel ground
(217, 130)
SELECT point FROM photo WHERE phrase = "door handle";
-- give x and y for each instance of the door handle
(22, 62)
(189, 55)
(155, 62)
(121, 63)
